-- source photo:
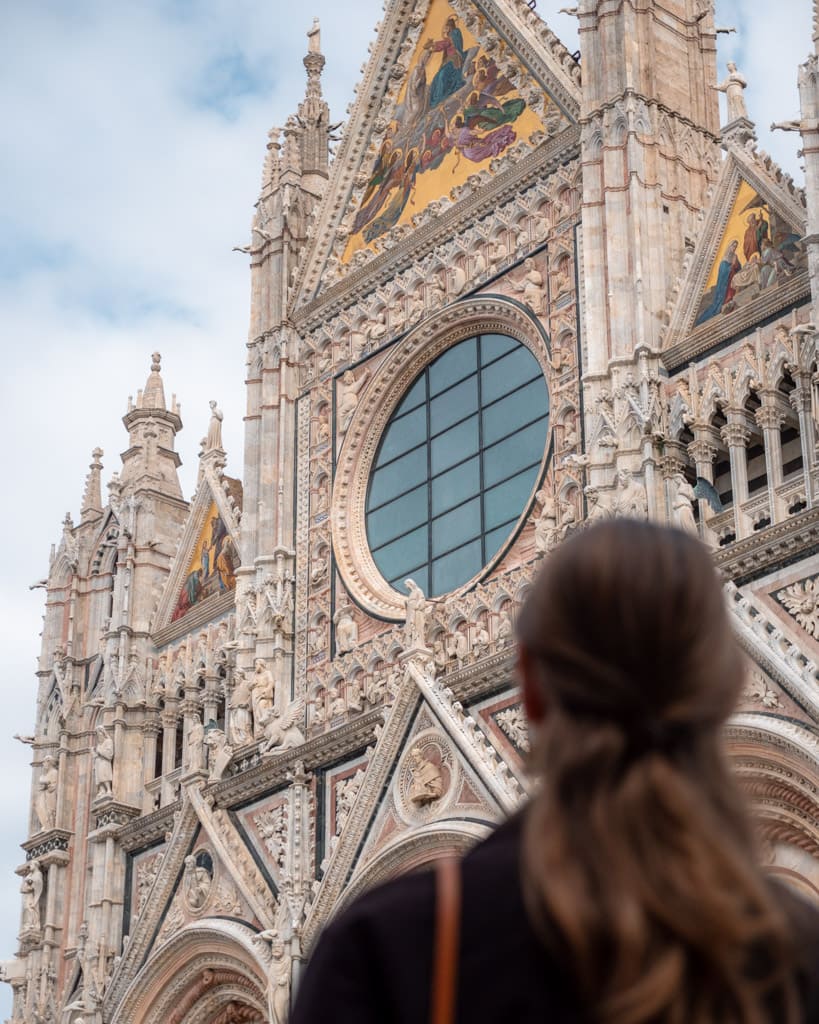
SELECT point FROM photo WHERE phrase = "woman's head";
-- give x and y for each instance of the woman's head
(626, 627)
(638, 855)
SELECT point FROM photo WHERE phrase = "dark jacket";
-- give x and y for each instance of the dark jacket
(372, 964)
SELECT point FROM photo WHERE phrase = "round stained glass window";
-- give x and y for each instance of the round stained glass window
(457, 464)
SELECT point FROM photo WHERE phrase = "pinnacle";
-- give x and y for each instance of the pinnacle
(153, 396)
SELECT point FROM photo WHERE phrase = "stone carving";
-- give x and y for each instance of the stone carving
(241, 715)
(629, 496)
(346, 629)
(457, 647)
(196, 745)
(513, 723)
(45, 802)
(146, 873)
(757, 691)
(263, 695)
(32, 890)
(338, 708)
(279, 963)
(426, 780)
(104, 763)
(346, 792)
(415, 627)
(320, 567)
(734, 86)
(531, 286)
(351, 386)
(682, 504)
(506, 631)
(198, 879)
(546, 522)
(272, 826)
(220, 753)
(801, 599)
(280, 732)
(213, 441)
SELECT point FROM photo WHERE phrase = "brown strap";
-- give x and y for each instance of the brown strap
(447, 936)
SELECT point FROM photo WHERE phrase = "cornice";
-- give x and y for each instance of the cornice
(770, 549)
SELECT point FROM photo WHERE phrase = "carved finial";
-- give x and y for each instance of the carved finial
(92, 497)
(153, 395)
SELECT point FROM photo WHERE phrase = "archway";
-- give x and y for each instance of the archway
(210, 972)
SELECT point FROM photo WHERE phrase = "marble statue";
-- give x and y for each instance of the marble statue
(734, 86)
(241, 716)
(104, 762)
(280, 732)
(416, 620)
(682, 504)
(32, 890)
(531, 286)
(346, 630)
(220, 753)
(197, 883)
(213, 442)
(196, 745)
(263, 695)
(45, 802)
(351, 386)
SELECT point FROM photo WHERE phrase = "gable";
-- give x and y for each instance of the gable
(212, 566)
(749, 261)
(455, 113)
(758, 250)
(403, 158)
(202, 580)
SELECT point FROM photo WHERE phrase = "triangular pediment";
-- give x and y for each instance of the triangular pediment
(202, 577)
(455, 92)
(750, 258)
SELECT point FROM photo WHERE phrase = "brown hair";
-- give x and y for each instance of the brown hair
(639, 860)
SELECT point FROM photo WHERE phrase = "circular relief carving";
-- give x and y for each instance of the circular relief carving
(427, 778)
(483, 316)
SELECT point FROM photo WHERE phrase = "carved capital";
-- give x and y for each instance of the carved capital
(735, 435)
(770, 417)
(702, 451)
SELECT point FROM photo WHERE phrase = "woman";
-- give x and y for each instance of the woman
(628, 890)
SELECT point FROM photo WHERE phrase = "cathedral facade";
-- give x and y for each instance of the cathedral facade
(525, 294)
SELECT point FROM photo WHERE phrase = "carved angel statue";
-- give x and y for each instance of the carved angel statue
(415, 628)
(45, 803)
(802, 600)
(280, 732)
(682, 505)
(104, 762)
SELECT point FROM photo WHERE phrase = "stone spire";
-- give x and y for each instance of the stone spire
(150, 460)
(314, 114)
(808, 126)
(92, 498)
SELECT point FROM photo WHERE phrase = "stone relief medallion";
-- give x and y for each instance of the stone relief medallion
(427, 778)
(197, 880)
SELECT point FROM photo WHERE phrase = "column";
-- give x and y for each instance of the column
(703, 450)
(770, 418)
(800, 399)
(736, 434)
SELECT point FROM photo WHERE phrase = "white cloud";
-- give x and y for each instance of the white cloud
(132, 144)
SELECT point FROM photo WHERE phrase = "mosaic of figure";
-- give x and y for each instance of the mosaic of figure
(212, 568)
(456, 110)
(758, 250)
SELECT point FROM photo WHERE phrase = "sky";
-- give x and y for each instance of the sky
(131, 151)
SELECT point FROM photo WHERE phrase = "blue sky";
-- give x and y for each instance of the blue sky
(132, 145)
